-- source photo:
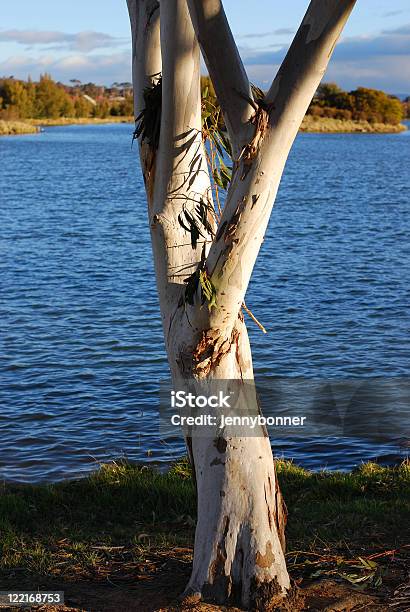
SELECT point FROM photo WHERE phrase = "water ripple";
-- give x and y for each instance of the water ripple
(81, 342)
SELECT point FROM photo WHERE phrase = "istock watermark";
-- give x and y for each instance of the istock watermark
(182, 399)
(374, 409)
(206, 408)
(222, 421)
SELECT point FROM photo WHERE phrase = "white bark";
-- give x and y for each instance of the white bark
(259, 169)
(146, 49)
(181, 174)
(237, 543)
(225, 68)
(146, 67)
(239, 537)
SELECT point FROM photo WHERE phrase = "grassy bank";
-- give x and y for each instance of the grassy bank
(310, 124)
(12, 128)
(330, 125)
(79, 121)
(133, 527)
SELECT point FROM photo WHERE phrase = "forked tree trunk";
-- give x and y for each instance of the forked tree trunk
(239, 541)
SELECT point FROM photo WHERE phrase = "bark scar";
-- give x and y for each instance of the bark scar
(151, 14)
(221, 583)
(267, 559)
(260, 119)
(220, 445)
(210, 350)
(281, 514)
(216, 461)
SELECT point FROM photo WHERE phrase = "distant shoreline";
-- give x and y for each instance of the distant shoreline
(78, 121)
(329, 125)
(33, 126)
(310, 124)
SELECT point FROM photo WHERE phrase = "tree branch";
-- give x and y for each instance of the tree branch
(225, 68)
(146, 51)
(182, 183)
(307, 59)
(146, 67)
(257, 175)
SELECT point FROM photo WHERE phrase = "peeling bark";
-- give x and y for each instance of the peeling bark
(210, 350)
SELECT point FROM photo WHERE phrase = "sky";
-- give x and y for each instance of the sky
(89, 40)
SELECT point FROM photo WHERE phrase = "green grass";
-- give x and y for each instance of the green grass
(73, 528)
(371, 502)
(110, 501)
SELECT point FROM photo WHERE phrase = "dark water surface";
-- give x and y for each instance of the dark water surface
(81, 349)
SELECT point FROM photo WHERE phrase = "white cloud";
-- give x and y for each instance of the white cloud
(278, 32)
(390, 73)
(381, 61)
(104, 69)
(81, 41)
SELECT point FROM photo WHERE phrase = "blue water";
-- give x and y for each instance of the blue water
(81, 349)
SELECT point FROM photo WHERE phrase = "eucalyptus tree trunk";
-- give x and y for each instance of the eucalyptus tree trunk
(239, 541)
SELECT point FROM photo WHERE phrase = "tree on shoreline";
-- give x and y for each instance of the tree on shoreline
(47, 99)
(204, 258)
(361, 104)
(50, 100)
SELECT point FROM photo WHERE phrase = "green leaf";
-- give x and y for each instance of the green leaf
(217, 178)
(208, 289)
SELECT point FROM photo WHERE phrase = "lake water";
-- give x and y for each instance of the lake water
(81, 348)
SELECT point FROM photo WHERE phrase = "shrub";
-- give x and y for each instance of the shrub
(362, 104)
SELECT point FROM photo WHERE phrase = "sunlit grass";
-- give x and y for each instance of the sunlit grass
(11, 128)
(80, 120)
(122, 511)
(332, 125)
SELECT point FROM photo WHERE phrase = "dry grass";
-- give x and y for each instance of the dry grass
(310, 124)
(79, 121)
(11, 128)
(330, 125)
